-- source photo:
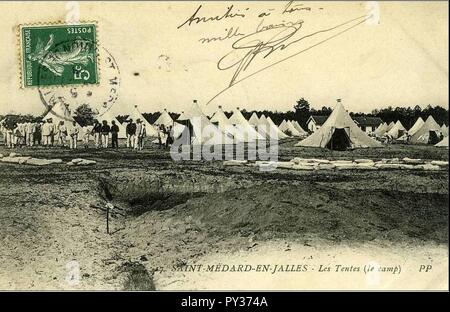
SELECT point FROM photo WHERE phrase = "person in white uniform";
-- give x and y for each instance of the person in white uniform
(73, 131)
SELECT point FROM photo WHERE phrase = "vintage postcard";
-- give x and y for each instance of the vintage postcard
(241, 145)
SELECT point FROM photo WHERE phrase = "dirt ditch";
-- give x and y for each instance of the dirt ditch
(141, 190)
(289, 205)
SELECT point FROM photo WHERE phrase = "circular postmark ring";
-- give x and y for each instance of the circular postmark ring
(49, 96)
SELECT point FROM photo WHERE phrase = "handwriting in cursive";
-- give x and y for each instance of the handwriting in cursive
(291, 7)
(230, 13)
(231, 33)
(267, 41)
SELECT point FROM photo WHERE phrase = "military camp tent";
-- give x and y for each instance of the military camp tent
(443, 143)
(417, 125)
(198, 129)
(254, 120)
(292, 125)
(283, 126)
(444, 130)
(275, 128)
(182, 116)
(269, 129)
(109, 117)
(135, 114)
(382, 128)
(339, 132)
(164, 119)
(397, 130)
(221, 121)
(429, 133)
(390, 126)
(299, 128)
(239, 121)
(263, 127)
(288, 128)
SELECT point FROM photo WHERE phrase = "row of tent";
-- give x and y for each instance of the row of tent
(341, 132)
(233, 129)
(425, 132)
(338, 132)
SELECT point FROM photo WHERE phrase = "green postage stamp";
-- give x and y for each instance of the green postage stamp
(58, 55)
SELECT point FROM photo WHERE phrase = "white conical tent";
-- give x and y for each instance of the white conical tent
(417, 125)
(428, 133)
(135, 114)
(109, 117)
(339, 132)
(444, 130)
(164, 119)
(382, 128)
(220, 119)
(263, 126)
(254, 120)
(177, 130)
(275, 128)
(397, 130)
(283, 126)
(292, 126)
(299, 128)
(239, 121)
(288, 128)
(269, 129)
(390, 126)
(443, 143)
(199, 129)
(182, 116)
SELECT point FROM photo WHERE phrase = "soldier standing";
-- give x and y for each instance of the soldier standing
(114, 135)
(131, 133)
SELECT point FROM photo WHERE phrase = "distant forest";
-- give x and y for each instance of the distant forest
(300, 112)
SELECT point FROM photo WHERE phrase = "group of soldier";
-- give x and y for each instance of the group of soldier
(67, 134)
(136, 134)
(44, 133)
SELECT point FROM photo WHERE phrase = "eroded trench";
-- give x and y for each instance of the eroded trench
(136, 192)
(140, 191)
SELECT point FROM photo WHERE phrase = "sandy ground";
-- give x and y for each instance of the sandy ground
(178, 214)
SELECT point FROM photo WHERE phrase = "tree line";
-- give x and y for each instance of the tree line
(407, 115)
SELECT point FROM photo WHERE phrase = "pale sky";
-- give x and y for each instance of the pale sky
(400, 61)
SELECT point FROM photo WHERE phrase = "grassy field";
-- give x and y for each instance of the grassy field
(172, 212)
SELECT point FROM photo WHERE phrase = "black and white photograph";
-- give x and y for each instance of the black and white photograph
(224, 146)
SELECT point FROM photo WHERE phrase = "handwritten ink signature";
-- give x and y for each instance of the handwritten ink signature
(265, 41)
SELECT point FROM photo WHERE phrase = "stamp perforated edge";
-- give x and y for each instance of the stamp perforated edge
(56, 23)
